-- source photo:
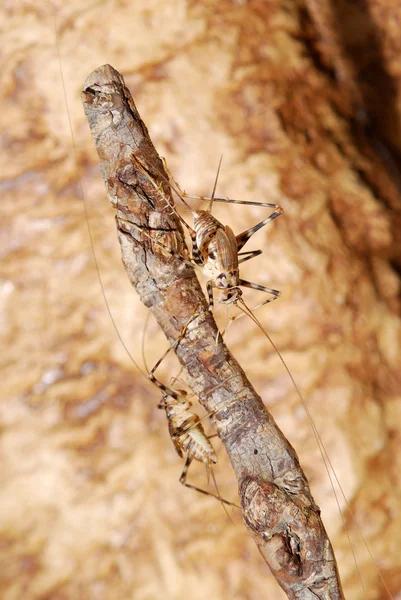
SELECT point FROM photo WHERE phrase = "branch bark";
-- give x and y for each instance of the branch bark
(278, 508)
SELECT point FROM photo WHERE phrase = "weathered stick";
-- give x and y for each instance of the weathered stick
(277, 504)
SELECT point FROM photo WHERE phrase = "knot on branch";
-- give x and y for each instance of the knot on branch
(290, 530)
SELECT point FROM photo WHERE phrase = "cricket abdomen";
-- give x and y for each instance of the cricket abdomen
(205, 226)
(190, 438)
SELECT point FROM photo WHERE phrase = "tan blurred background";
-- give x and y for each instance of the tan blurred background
(303, 101)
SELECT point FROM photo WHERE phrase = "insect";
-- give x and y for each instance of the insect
(215, 247)
(185, 427)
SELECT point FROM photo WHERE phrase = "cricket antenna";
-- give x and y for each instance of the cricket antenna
(215, 185)
(219, 497)
(145, 327)
(171, 183)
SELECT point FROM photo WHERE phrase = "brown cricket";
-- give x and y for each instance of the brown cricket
(215, 247)
(184, 425)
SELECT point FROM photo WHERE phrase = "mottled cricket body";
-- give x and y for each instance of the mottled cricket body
(186, 430)
(205, 227)
(215, 247)
(185, 427)
(218, 255)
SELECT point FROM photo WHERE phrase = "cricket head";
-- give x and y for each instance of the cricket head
(227, 281)
(230, 295)
(178, 405)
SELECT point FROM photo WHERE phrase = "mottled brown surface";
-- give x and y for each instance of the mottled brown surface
(90, 503)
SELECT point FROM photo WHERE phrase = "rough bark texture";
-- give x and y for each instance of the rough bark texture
(303, 100)
(277, 505)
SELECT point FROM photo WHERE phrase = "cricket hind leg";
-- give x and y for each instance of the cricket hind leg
(232, 201)
(173, 186)
(183, 481)
(196, 254)
(190, 263)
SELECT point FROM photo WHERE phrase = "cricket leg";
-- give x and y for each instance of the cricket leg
(231, 201)
(158, 188)
(248, 255)
(255, 286)
(261, 288)
(151, 373)
(196, 255)
(243, 237)
(183, 481)
(176, 187)
(190, 263)
(209, 287)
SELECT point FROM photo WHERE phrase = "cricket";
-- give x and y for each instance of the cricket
(215, 247)
(185, 427)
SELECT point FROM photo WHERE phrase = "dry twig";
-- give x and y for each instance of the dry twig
(278, 508)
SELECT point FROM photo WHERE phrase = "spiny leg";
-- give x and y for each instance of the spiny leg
(176, 186)
(141, 168)
(190, 263)
(243, 237)
(232, 201)
(183, 481)
(196, 255)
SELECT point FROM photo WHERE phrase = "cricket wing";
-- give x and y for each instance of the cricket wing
(227, 249)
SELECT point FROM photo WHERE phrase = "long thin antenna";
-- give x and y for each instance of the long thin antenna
(215, 186)
(218, 494)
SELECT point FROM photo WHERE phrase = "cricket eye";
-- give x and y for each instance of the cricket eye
(221, 281)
